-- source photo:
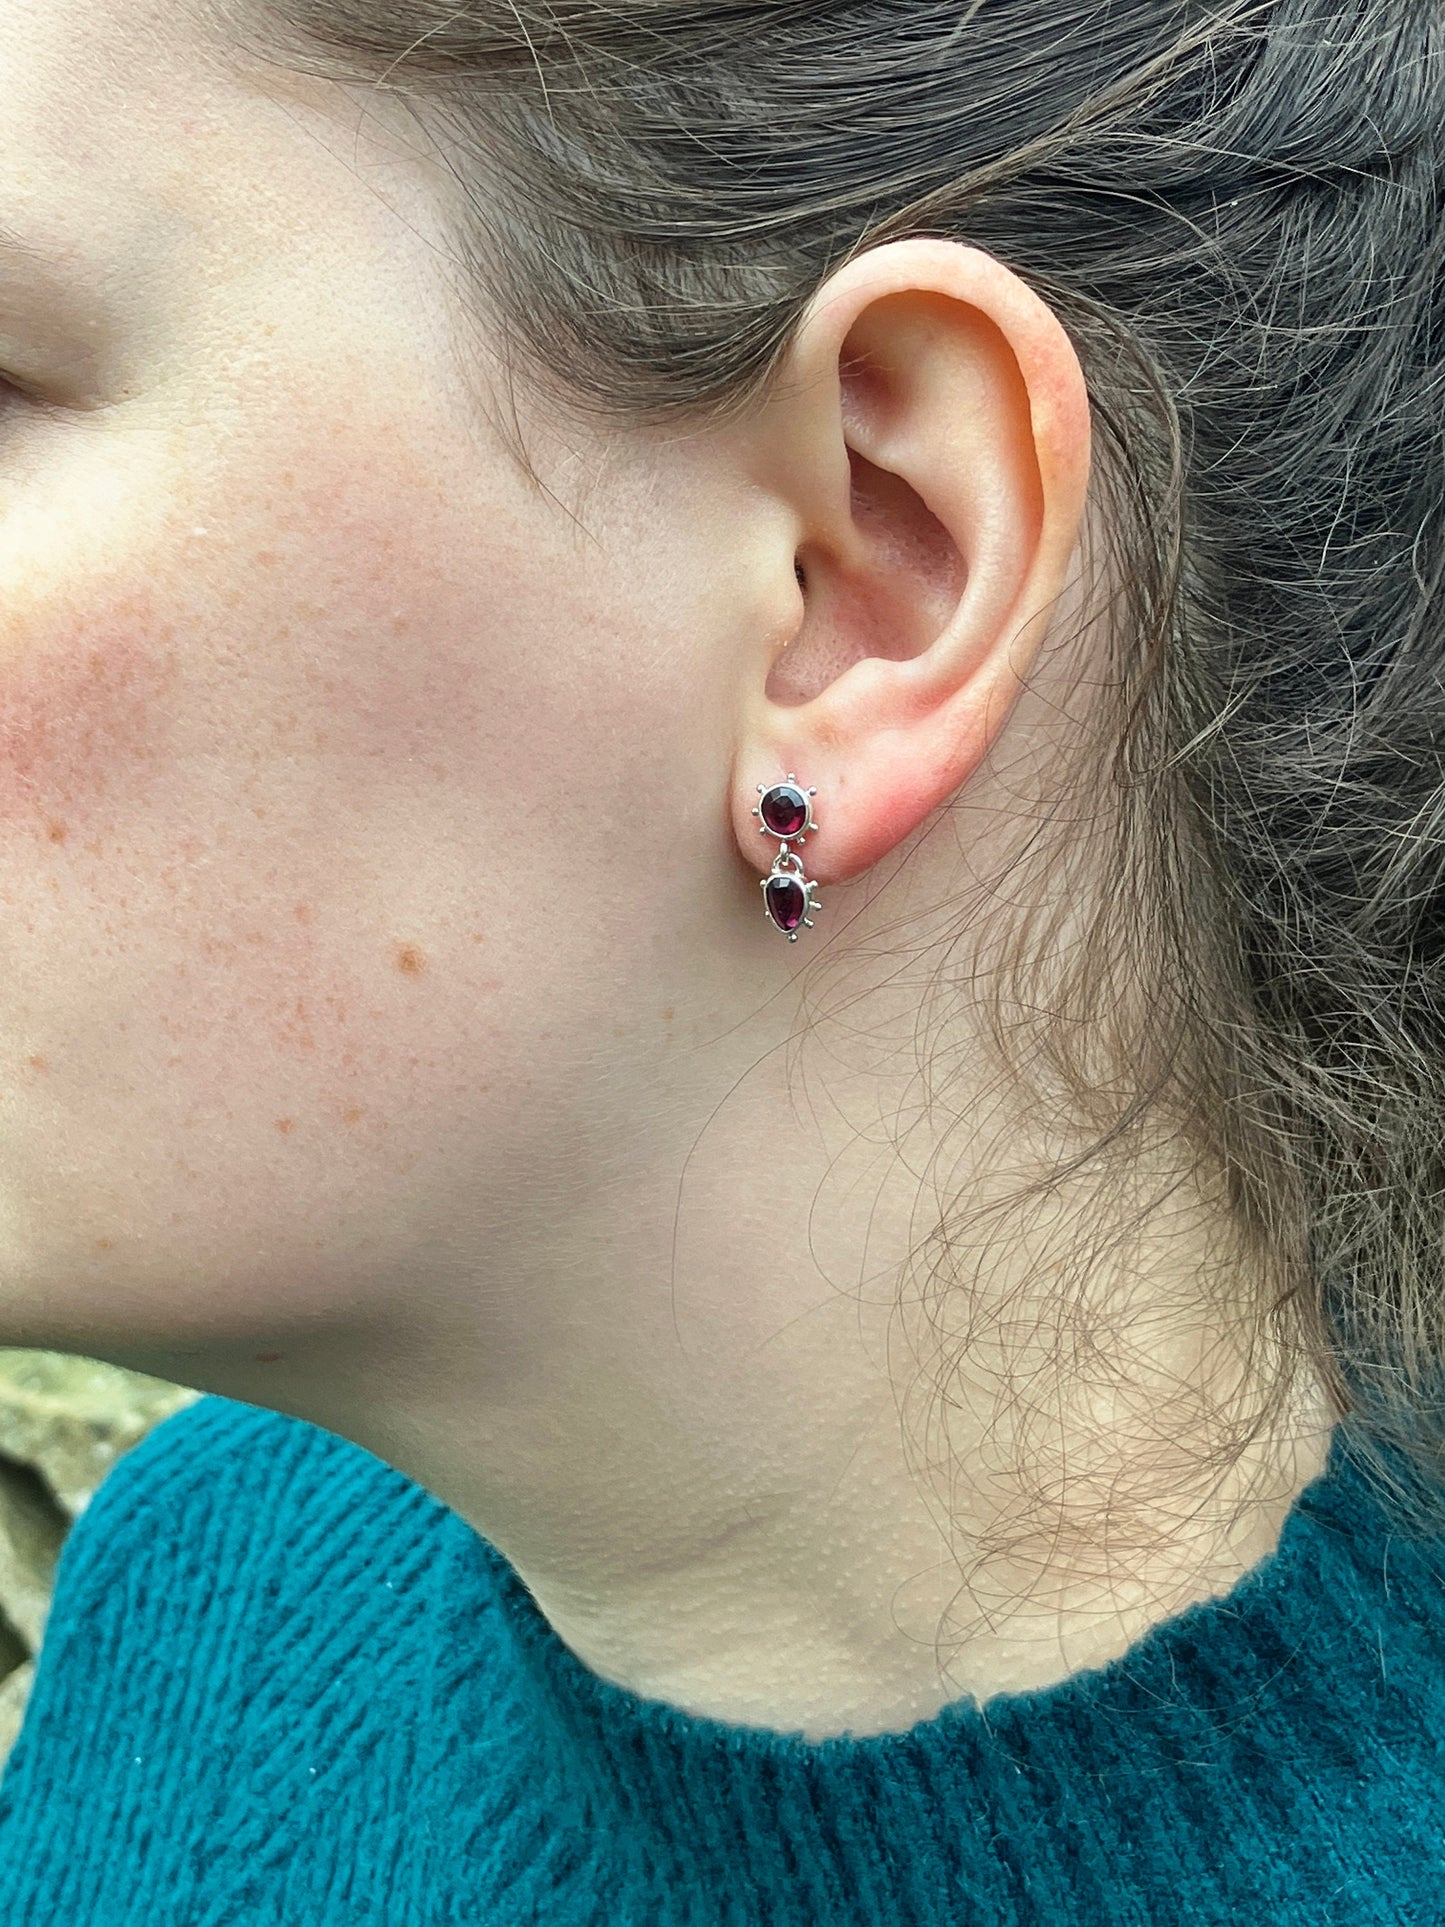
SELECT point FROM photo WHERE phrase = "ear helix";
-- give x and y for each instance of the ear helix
(788, 896)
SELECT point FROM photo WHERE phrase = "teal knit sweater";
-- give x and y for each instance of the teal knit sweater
(282, 1684)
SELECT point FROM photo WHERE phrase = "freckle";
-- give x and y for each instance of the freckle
(285, 1125)
(105, 1244)
(667, 1015)
(258, 812)
(479, 936)
(58, 832)
(266, 558)
(400, 626)
(303, 913)
(39, 1064)
(269, 1358)
(618, 1031)
(288, 480)
(353, 1114)
(410, 961)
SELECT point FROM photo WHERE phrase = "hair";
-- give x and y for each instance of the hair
(1235, 209)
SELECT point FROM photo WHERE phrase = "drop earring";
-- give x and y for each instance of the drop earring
(788, 896)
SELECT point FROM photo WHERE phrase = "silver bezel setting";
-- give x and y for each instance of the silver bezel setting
(798, 836)
(794, 869)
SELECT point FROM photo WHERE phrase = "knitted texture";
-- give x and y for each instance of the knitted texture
(283, 1684)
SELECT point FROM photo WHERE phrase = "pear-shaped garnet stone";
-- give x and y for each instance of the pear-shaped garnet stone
(786, 900)
(784, 809)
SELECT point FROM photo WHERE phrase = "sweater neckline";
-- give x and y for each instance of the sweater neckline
(1239, 1721)
(1050, 1804)
(1336, 1516)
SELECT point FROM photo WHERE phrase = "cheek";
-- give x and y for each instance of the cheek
(283, 969)
(83, 709)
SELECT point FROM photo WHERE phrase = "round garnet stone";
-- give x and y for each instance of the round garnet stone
(784, 809)
(786, 900)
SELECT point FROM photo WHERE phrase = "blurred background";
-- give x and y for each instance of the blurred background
(63, 1424)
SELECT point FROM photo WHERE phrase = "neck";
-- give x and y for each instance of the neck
(747, 1465)
(787, 1403)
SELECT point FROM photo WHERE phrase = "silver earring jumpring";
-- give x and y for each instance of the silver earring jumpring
(786, 811)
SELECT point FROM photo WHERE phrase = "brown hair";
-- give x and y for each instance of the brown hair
(1235, 209)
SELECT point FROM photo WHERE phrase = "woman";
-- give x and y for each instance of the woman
(724, 868)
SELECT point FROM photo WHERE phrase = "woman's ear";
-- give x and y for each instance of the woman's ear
(929, 438)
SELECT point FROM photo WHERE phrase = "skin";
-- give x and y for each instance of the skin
(390, 1032)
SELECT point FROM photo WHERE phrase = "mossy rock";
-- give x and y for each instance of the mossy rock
(70, 1419)
(63, 1424)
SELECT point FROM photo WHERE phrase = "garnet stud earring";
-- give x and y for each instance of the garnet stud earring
(787, 895)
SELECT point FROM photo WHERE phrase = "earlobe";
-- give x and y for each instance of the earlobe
(932, 430)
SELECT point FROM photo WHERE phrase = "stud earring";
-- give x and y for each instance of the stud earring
(788, 896)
